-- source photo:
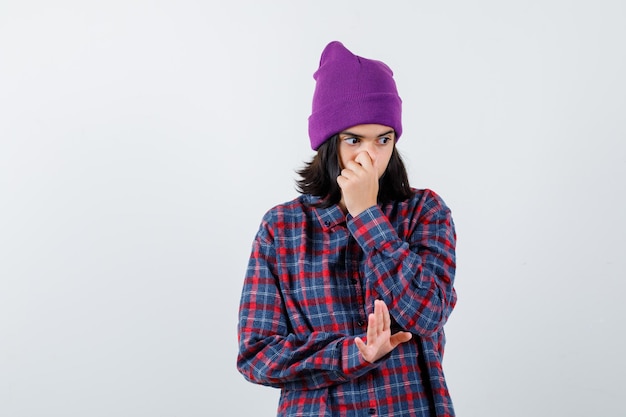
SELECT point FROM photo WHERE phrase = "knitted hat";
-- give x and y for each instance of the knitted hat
(349, 91)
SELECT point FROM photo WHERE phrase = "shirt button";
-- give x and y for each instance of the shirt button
(372, 411)
(327, 223)
(354, 281)
(360, 323)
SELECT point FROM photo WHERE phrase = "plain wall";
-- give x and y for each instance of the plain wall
(142, 141)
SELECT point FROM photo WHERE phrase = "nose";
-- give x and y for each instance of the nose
(371, 150)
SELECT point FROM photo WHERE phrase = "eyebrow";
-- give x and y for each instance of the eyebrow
(346, 132)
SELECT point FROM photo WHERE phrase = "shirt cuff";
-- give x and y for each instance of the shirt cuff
(372, 229)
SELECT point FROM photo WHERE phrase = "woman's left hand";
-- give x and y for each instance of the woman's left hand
(380, 341)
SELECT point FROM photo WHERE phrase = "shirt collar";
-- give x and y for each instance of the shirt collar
(328, 217)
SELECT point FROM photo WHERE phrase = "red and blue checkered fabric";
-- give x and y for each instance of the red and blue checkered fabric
(311, 282)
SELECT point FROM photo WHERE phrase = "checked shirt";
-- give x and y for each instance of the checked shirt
(311, 281)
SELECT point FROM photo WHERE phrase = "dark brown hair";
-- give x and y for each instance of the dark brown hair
(319, 177)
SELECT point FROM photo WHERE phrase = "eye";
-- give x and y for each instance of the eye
(351, 140)
(384, 140)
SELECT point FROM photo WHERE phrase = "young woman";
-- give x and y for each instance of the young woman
(349, 285)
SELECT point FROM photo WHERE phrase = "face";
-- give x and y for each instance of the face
(377, 140)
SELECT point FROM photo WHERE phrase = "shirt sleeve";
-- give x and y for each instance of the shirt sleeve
(413, 274)
(269, 353)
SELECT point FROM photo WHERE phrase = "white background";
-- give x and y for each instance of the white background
(142, 141)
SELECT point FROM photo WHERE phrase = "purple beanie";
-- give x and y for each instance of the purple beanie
(349, 91)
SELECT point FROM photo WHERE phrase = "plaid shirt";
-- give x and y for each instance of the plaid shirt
(311, 282)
